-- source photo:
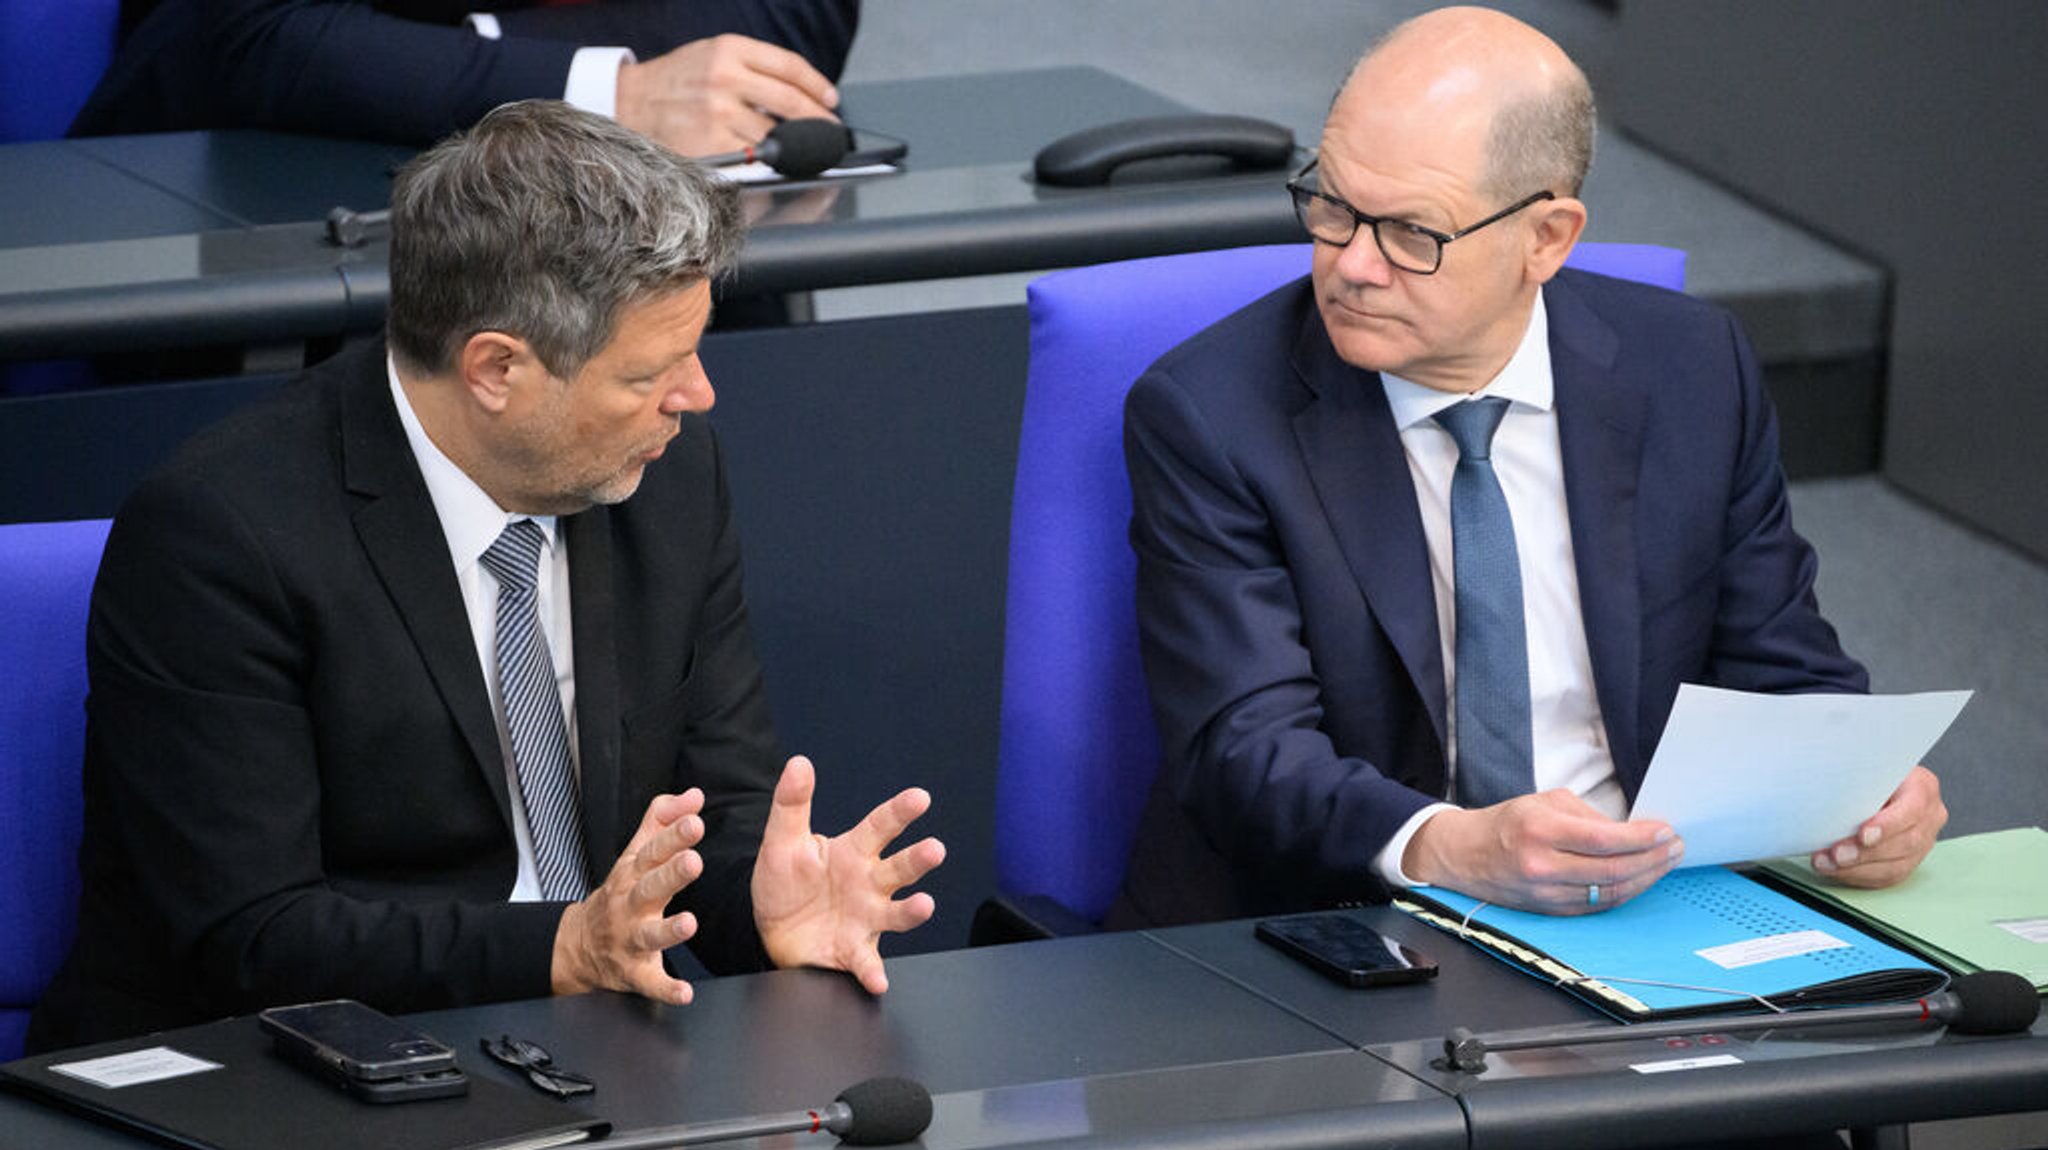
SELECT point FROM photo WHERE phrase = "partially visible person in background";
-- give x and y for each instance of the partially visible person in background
(700, 76)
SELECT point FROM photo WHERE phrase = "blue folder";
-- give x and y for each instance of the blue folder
(1702, 940)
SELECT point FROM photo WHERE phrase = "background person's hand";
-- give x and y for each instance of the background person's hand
(1890, 843)
(826, 902)
(613, 939)
(1541, 852)
(720, 94)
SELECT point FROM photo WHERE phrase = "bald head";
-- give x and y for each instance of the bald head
(1497, 94)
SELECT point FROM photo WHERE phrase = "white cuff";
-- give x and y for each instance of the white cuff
(1387, 863)
(484, 24)
(594, 79)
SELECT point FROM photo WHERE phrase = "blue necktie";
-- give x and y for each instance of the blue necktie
(1494, 758)
(533, 715)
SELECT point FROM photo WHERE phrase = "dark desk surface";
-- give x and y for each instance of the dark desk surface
(1112, 1036)
(1201, 1037)
(184, 239)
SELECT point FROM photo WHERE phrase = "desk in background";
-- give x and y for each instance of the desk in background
(198, 238)
(1202, 1037)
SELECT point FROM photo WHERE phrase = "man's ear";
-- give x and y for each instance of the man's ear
(1555, 226)
(494, 365)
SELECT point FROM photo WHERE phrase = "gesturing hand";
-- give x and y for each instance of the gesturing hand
(720, 94)
(613, 939)
(825, 902)
(1541, 852)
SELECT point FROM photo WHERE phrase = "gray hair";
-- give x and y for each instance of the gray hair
(545, 222)
(1542, 142)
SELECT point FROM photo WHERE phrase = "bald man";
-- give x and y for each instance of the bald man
(1306, 472)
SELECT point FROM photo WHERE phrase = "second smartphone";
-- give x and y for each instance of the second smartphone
(1345, 949)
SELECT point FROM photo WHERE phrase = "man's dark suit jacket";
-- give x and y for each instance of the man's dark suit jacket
(293, 782)
(401, 70)
(1286, 610)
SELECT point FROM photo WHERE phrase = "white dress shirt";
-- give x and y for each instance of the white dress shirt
(1568, 737)
(472, 521)
(593, 82)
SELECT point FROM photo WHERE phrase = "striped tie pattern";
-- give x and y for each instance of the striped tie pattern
(533, 715)
(1495, 759)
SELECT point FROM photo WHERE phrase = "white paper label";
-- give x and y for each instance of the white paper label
(1686, 1063)
(1751, 951)
(135, 1067)
(2031, 929)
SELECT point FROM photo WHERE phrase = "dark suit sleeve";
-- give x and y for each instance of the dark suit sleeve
(1769, 634)
(1234, 688)
(820, 31)
(407, 73)
(205, 787)
(730, 750)
(347, 69)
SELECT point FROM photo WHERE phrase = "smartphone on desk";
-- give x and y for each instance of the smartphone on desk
(365, 1051)
(873, 148)
(1342, 948)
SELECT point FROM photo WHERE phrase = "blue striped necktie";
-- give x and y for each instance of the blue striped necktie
(1495, 762)
(533, 715)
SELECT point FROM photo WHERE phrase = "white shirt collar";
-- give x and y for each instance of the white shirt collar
(1525, 380)
(470, 518)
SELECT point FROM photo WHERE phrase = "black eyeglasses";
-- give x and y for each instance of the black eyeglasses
(539, 1065)
(1410, 247)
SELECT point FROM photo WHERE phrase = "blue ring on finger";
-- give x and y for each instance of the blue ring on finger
(1593, 894)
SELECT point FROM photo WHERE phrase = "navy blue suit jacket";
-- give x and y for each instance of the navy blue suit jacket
(402, 70)
(1287, 614)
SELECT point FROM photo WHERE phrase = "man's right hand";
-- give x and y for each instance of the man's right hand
(1541, 852)
(613, 939)
(720, 94)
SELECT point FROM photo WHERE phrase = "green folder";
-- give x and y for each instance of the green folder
(1979, 902)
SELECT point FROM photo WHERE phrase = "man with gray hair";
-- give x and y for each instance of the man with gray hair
(1428, 540)
(429, 681)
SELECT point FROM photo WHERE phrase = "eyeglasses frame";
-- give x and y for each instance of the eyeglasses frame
(1296, 189)
(526, 1055)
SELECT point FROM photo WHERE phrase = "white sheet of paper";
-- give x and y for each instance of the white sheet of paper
(136, 1067)
(759, 173)
(1745, 776)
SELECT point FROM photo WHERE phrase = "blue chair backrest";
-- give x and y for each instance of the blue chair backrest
(1078, 746)
(46, 574)
(51, 54)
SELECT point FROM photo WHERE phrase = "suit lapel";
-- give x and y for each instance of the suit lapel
(395, 521)
(1600, 431)
(588, 534)
(1354, 458)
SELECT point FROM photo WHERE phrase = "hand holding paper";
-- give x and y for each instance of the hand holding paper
(1547, 852)
(1892, 842)
(1745, 776)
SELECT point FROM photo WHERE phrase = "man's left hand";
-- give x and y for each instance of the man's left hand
(1887, 847)
(825, 902)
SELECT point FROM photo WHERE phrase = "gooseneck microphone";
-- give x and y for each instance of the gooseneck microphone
(877, 1112)
(797, 149)
(1982, 1002)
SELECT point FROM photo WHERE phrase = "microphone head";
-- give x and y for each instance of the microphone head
(885, 1110)
(805, 147)
(1993, 1002)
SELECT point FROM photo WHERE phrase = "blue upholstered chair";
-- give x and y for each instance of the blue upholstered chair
(46, 573)
(51, 54)
(1078, 747)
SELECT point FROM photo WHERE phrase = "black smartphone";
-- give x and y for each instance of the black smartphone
(357, 1044)
(1346, 949)
(449, 1083)
(873, 148)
